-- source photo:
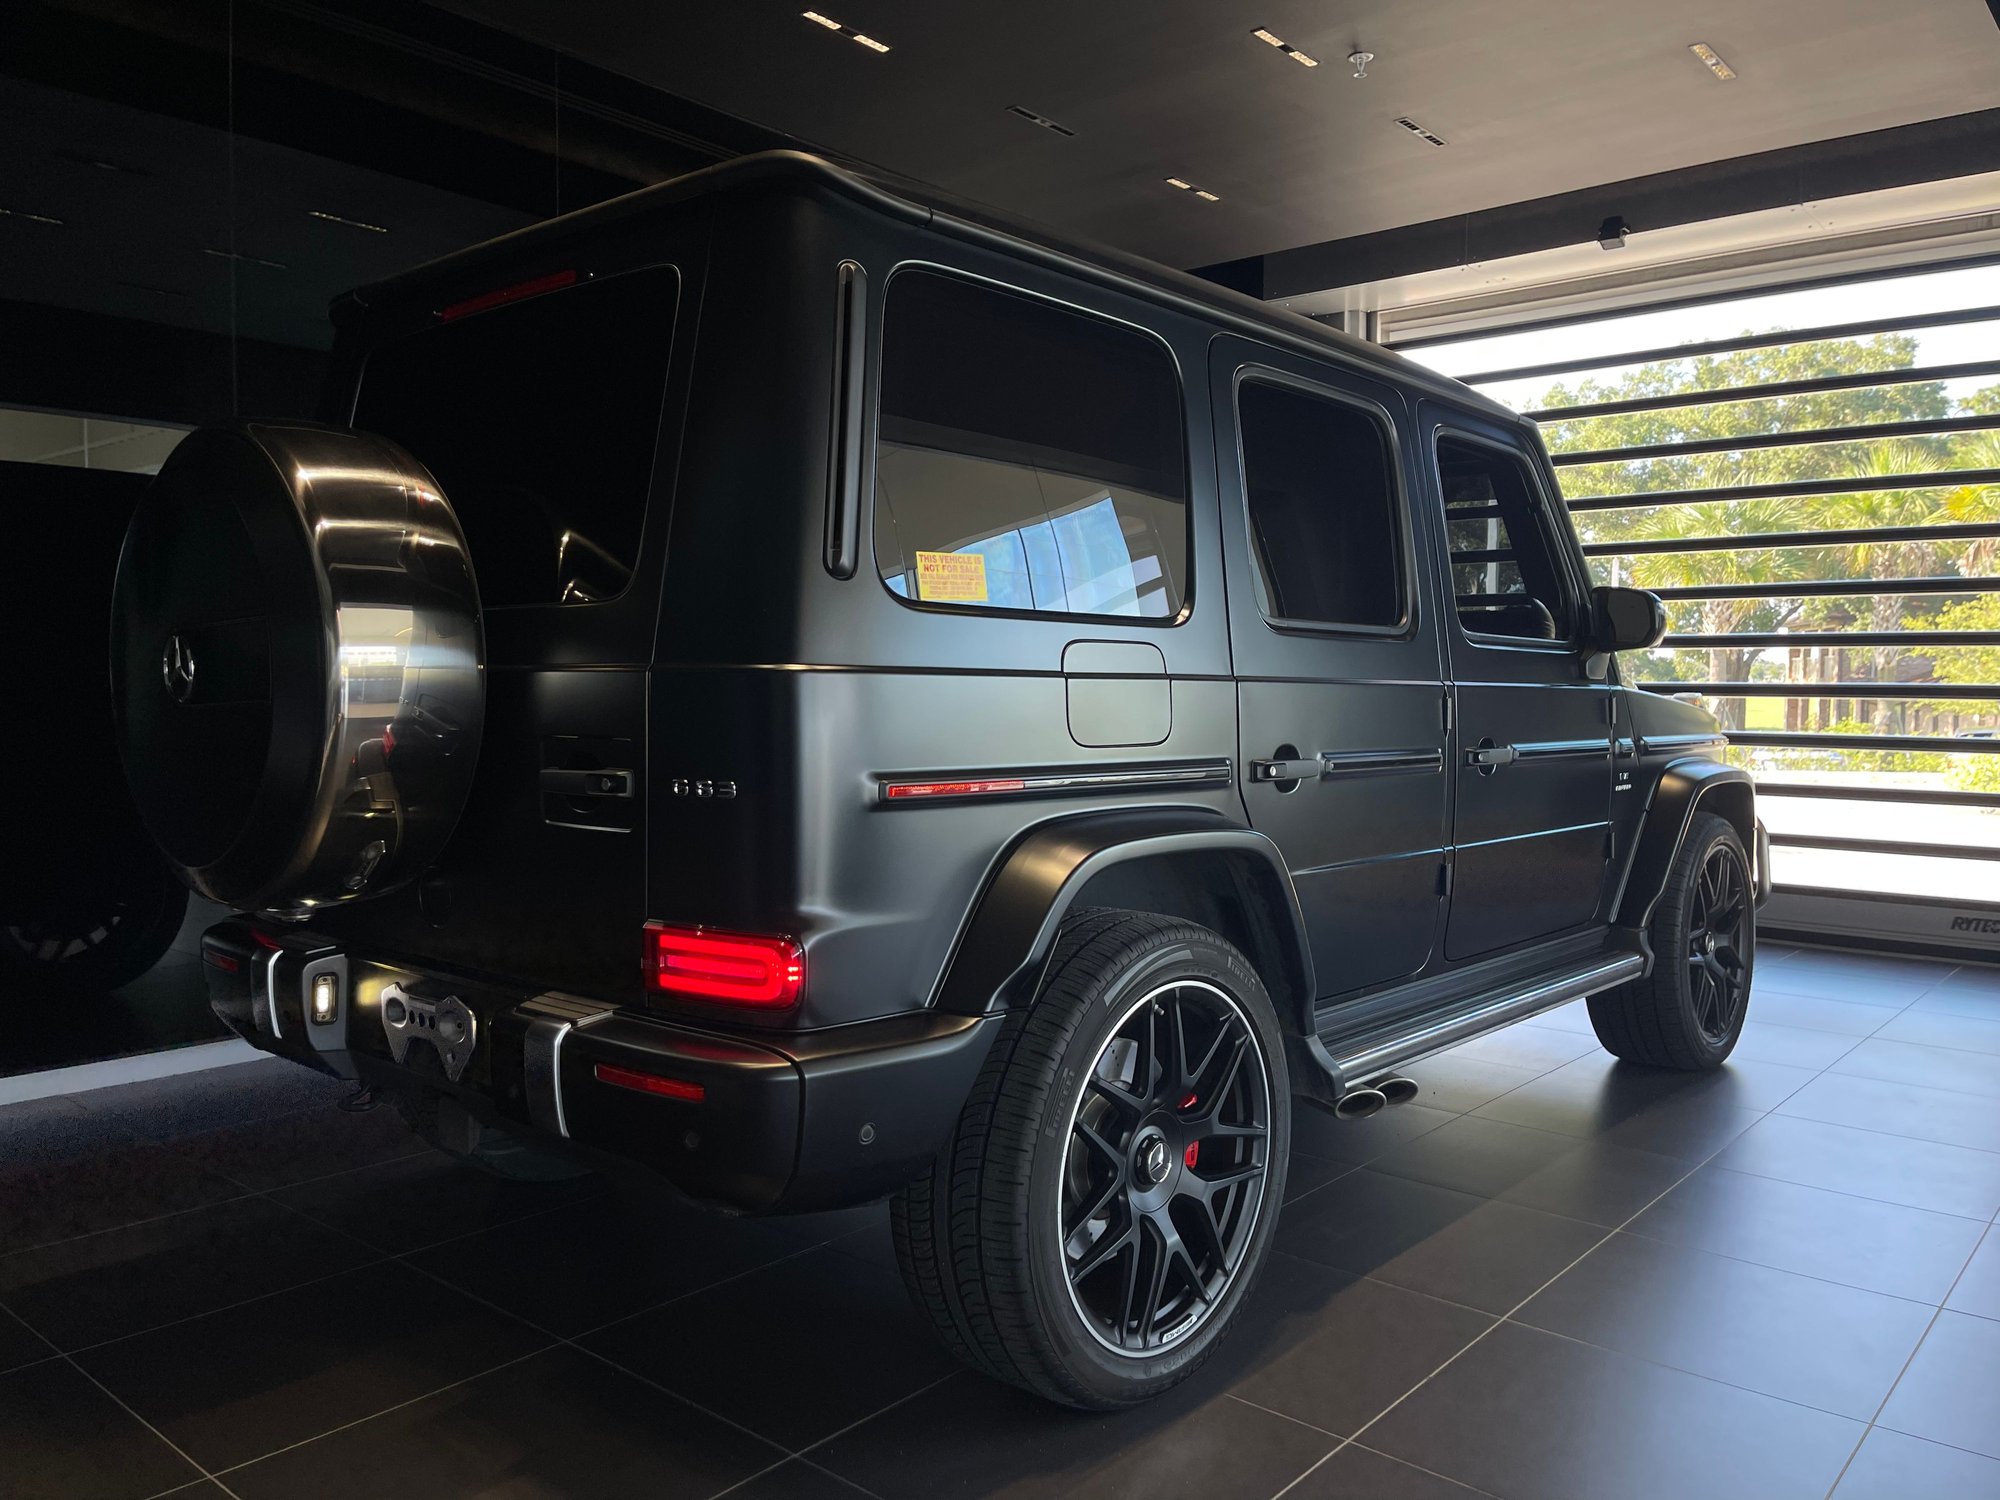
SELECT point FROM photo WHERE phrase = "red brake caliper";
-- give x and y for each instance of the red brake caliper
(1193, 1147)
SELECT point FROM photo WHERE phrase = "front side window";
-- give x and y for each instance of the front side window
(1318, 478)
(539, 419)
(1028, 457)
(1504, 569)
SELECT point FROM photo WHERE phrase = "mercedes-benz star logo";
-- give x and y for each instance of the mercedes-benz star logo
(1156, 1159)
(177, 668)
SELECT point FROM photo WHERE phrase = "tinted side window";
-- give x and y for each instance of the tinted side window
(1029, 457)
(1323, 505)
(1503, 567)
(539, 419)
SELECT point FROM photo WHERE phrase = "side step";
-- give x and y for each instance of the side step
(1351, 1060)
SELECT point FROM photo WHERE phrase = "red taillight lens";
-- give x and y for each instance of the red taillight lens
(649, 1083)
(724, 967)
(554, 282)
(901, 791)
(215, 958)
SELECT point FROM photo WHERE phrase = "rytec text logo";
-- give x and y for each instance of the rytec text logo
(1975, 924)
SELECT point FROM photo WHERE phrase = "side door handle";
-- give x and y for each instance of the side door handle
(607, 783)
(1489, 756)
(1285, 770)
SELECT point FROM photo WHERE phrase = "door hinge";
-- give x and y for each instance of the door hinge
(1447, 711)
(1611, 843)
(1444, 878)
(1611, 707)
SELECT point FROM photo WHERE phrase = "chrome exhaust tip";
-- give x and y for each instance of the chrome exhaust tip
(1358, 1104)
(1396, 1090)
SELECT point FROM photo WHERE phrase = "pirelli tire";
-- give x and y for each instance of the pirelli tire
(296, 663)
(1112, 1187)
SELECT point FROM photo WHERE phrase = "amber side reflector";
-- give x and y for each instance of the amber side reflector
(724, 967)
(215, 958)
(649, 1083)
(898, 791)
(555, 281)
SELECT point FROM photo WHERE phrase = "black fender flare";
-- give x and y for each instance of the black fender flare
(1685, 787)
(1005, 942)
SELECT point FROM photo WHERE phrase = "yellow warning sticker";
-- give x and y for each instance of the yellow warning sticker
(952, 577)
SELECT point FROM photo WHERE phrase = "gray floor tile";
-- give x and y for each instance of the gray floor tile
(1903, 968)
(1925, 1114)
(1804, 1340)
(1525, 1413)
(1358, 1473)
(84, 1191)
(1932, 1028)
(414, 1201)
(1888, 1168)
(19, 1344)
(292, 1148)
(1529, 1047)
(560, 1423)
(1585, 1180)
(1326, 1348)
(1456, 1083)
(1927, 1067)
(1880, 1247)
(1978, 1290)
(798, 1479)
(1308, 1174)
(187, 1103)
(1836, 984)
(1797, 1046)
(1814, 1012)
(1452, 1245)
(61, 1437)
(1951, 1392)
(1977, 996)
(1893, 1466)
(1574, 1017)
(1320, 1134)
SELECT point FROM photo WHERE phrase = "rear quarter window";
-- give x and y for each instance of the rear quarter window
(1029, 457)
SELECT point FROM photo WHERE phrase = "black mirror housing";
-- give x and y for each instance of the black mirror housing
(1626, 619)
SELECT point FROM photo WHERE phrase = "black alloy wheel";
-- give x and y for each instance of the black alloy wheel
(1164, 1172)
(1717, 973)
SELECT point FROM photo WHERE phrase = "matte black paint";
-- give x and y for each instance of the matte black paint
(1397, 878)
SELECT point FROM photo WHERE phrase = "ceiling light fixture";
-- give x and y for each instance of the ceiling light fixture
(22, 213)
(313, 213)
(1042, 120)
(254, 260)
(1285, 47)
(1361, 60)
(847, 31)
(1711, 60)
(1419, 132)
(1200, 192)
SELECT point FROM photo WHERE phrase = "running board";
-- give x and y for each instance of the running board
(1353, 1060)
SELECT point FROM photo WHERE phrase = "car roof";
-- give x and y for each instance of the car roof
(919, 204)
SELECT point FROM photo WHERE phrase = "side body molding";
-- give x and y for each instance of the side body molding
(1180, 861)
(1684, 787)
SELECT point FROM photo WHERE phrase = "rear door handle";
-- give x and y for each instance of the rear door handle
(1284, 770)
(606, 783)
(1489, 756)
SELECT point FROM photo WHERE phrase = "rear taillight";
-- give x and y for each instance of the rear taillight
(555, 281)
(724, 968)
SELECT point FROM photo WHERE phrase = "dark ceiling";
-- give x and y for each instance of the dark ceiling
(1534, 99)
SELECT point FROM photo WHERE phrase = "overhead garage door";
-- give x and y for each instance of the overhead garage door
(1811, 478)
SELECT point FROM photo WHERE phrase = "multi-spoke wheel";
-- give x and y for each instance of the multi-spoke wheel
(1164, 1173)
(1687, 1013)
(1113, 1183)
(93, 927)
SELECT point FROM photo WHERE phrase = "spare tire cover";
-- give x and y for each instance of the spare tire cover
(296, 665)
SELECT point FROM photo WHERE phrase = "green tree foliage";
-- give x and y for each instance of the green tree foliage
(1874, 503)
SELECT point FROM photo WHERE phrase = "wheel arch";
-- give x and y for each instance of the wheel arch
(1685, 787)
(1176, 862)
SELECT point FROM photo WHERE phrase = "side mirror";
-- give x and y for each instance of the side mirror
(1625, 620)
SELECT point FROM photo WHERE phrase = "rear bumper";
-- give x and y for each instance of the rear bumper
(770, 1123)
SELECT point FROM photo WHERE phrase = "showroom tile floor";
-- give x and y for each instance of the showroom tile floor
(1550, 1278)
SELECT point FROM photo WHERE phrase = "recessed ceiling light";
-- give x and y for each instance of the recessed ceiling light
(1711, 60)
(847, 31)
(313, 213)
(1285, 47)
(1419, 132)
(1205, 194)
(1042, 120)
(1187, 187)
(22, 213)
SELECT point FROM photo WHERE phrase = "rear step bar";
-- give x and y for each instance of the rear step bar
(1367, 1055)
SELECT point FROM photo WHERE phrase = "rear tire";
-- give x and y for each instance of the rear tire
(1113, 1183)
(1688, 1012)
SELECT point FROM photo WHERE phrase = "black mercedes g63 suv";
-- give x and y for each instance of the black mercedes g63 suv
(806, 688)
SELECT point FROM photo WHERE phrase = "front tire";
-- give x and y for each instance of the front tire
(1688, 1012)
(1113, 1183)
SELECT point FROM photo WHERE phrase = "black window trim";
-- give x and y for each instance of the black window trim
(1407, 626)
(655, 473)
(1544, 503)
(879, 348)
